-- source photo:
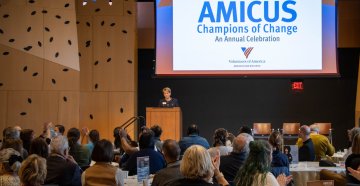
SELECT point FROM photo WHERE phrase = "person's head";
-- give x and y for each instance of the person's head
(10, 160)
(73, 135)
(59, 129)
(11, 133)
(304, 132)
(146, 140)
(94, 136)
(166, 92)
(196, 163)
(15, 144)
(355, 148)
(220, 135)
(171, 150)
(103, 151)
(33, 170)
(193, 130)
(26, 136)
(40, 147)
(157, 130)
(275, 140)
(314, 128)
(59, 145)
(287, 149)
(245, 129)
(353, 132)
(258, 162)
(229, 139)
(241, 143)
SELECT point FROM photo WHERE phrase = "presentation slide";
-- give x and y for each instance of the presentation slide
(284, 37)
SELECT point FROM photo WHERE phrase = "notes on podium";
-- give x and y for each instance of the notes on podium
(169, 119)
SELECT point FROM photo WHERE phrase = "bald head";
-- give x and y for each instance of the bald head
(171, 150)
(241, 143)
(304, 132)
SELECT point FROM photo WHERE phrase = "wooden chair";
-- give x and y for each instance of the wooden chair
(320, 183)
(291, 129)
(261, 130)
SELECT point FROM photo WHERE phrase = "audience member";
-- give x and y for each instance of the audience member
(166, 176)
(287, 152)
(354, 172)
(117, 138)
(198, 168)
(306, 151)
(15, 144)
(193, 138)
(245, 129)
(59, 129)
(10, 160)
(220, 138)
(80, 153)
(33, 171)
(62, 169)
(39, 147)
(146, 144)
(322, 145)
(157, 133)
(353, 159)
(256, 169)
(280, 162)
(231, 163)
(229, 140)
(26, 136)
(10, 133)
(89, 139)
(351, 134)
(102, 172)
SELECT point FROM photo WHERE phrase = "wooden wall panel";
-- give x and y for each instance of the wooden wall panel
(22, 29)
(46, 4)
(30, 109)
(3, 110)
(348, 24)
(20, 70)
(100, 8)
(121, 108)
(60, 37)
(69, 109)
(115, 71)
(84, 28)
(13, 2)
(58, 77)
(94, 112)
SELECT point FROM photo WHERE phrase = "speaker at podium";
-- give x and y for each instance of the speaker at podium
(169, 119)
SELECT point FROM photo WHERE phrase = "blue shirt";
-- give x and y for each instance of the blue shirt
(192, 139)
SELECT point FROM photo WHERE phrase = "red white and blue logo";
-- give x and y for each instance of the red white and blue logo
(247, 51)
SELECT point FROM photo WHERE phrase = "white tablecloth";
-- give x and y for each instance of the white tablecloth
(307, 171)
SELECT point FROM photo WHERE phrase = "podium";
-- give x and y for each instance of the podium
(169, 119)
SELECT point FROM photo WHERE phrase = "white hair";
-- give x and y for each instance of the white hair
(59, 144)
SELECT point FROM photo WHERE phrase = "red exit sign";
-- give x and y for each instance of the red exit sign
(297, 85)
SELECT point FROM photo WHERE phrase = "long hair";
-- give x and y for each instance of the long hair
(275, 140)
(220, 135)
(258, 163)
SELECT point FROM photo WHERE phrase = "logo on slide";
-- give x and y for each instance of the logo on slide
(247, 51)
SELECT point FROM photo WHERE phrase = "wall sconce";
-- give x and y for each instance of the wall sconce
(85, 2)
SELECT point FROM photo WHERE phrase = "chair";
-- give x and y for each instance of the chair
(320, 183)
(261, 130)
(291, 129)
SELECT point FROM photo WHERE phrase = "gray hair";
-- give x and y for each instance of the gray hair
(11, 133)
(353, 132)
(5, 155)
(59, 144)
(241, 143)
(314, 128)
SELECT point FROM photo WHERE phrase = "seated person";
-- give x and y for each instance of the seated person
(62, 169)
(166, 176)
(220, 138)
(168, 101)
(193, 138)
(80, 153)
(10, 162)
(353, 160)
(306, 151)
(280, 162)
(33, 170)
(147, 148)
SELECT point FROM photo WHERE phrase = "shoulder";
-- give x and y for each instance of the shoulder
(271, 180)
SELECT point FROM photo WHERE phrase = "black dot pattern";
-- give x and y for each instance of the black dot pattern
(6, 53)
(1, 31)
(53, 81)
(102, 23)
(28, 48)
(96, 86)
(44, 11)
(6, 15)
(57, 54)
(47, 29)
(25, 68)
(91, 116)
(65, 69)
(129, 12)
(28, 29)
(66, 22)
(69, 42)
(88, 43)
(29, 100)
(1, 84)
(40, 44)
(57, 16)
(11, 40)
(97, 10)
(112, 24)
(23, 113)
(124, 31)
(65, 99)
(108, 44)
(88, 24)
(66, 5)
(108, 60)
(121, 110)
(35, 74)
(129, 61)
(96, 63)
(33, 12)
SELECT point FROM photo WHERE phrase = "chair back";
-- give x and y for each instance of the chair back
(262, 129)
(320, 183)
(291, 128)
(324, 128)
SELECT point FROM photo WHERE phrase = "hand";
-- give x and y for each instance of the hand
(282, 180)
(123, 133)
(355, 173)
(85, 131)
(216, 160)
